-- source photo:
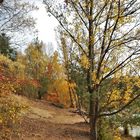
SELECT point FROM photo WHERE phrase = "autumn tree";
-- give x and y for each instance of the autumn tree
(73, 69)
(15, 18)
(106, 33)
(58, 83)
(67, 61)
(129, 116)
(36, 62)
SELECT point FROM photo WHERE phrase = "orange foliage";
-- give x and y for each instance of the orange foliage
(53, 97)
(32, 82)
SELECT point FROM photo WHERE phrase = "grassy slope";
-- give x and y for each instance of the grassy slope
(43, 121)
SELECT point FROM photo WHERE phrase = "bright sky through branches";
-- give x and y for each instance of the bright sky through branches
(45, 25)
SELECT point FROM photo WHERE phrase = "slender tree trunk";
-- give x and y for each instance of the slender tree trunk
(91, 88)
(79, 103)
(39, 95)
(71, 98)
(75, 98)
(93, 118)
(126, 130)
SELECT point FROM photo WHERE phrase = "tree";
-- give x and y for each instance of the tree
(58, 83)
(68, 68)
(15, 18)
(74, 71)
(36, 63)
(1, 1)
(100, 30)
(5, 47)
(129, 116)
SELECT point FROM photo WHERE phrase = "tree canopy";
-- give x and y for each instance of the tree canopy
(106, 35)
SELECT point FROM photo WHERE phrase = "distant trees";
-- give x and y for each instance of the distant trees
(5, 47)
(43, 74)
(58, 82)
(106, 36)
(73, 70)
(35, 66)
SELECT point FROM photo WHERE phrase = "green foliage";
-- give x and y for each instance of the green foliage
(35, 61)
(28, 88)
(43, 86)
(5, 47)
(105, 131)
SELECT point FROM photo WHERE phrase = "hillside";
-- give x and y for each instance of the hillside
(44, 121)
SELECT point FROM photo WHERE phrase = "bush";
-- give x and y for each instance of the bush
(28, 88)
(10, 108)
(10, 114)
(107, 131)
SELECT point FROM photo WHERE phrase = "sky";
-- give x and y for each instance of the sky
(45, 26)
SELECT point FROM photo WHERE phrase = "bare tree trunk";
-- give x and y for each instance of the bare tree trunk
(93, 118)
(126, 130)
(75, 98)
(91, 89)
(71, 98)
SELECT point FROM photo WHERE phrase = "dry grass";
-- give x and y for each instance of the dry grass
(43, 121)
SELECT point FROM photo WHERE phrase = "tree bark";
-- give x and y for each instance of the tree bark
(71, 98)
(1, 1)
(91, 89)
(93, 117)
(39, 95)
(126, 130)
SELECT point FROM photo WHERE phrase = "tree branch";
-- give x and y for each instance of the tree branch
(122, 108)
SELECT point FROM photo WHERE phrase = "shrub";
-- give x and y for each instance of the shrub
(10, 114)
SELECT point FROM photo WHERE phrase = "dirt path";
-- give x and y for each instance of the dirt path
(44, 121)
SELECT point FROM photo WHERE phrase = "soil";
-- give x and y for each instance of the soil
(44, 121)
